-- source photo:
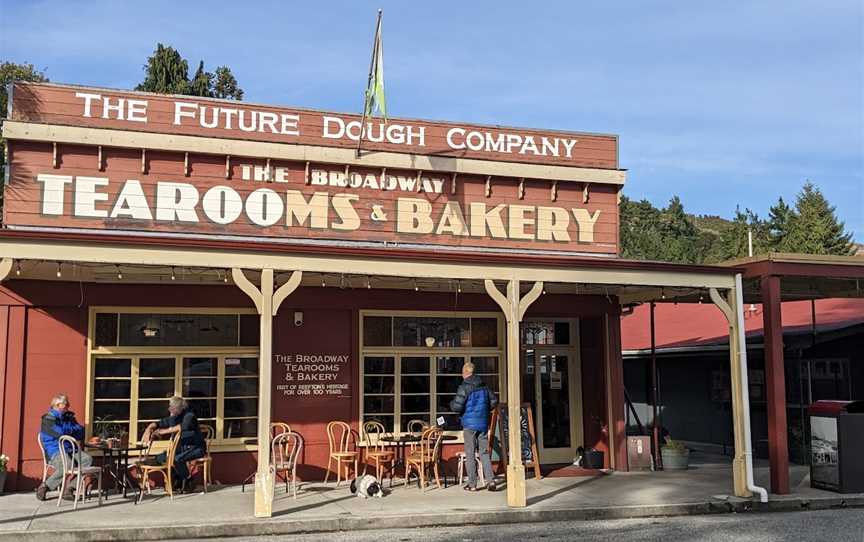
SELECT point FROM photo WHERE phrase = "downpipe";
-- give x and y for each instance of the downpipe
(745, 386)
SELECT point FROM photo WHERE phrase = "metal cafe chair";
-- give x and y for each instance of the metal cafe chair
(145, 470)
(72, 469)
(373, 435)
(277, 428)
(284, 450)
(426, 458)
(205, 463)
(460, 469)
(340, 439)
(45, 463)
(145, 455)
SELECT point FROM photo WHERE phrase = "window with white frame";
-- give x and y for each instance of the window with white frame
(411, 365)
(140, 359)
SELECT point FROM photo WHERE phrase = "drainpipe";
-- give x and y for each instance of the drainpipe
(745, 386)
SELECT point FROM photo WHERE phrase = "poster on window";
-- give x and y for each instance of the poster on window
(309, 375)
(825, 469)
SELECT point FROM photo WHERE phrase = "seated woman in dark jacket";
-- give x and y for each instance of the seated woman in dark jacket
(191, 446)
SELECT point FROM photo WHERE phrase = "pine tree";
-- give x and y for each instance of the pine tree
(735, 238)
(202, 82)
(779, 218)
(166, 72)
(814, 228)
(225, 85)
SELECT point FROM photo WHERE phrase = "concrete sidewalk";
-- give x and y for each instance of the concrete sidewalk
(226, 511)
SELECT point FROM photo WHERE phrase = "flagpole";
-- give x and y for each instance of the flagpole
(368, 81)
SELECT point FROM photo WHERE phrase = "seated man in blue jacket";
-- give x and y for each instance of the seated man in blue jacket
(474, 402)
(191, 446)
(57, 422)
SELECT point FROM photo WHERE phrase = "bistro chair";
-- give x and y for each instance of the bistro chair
(426, 458)
(415, 427)
(340, 439)
(285, 448)
(135, 462)
(46, 465)
(72, 469)
(145, 470)
(373, 439)
(277, 428)
(460, 469)
(205, 463)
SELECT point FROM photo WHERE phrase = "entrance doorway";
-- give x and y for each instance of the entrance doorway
(551, 383)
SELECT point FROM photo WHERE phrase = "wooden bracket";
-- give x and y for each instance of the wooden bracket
(618, 194)
(5, 268)
(488, 185)
(286, 289)
(227, 166)
(347, 174)
(522, 188)
(585, 193)
(55, 163)
(143, 161)
(186, 164)
(383, 177)
(269, 170)
(419, 180)
(101, 162)
(453, 183)
(554, 192)
(307, 179)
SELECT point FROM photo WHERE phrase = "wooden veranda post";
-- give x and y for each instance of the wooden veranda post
(775, 381)
(267, 304)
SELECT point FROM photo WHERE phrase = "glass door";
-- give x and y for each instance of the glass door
(548, 381)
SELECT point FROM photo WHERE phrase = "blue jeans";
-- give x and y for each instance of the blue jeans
(180, 458)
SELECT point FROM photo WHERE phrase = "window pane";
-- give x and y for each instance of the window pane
(415, 384)
(104, 389)
(415, 403)
(447, 332)
(156, 367)
(562, 333)
(378, 365)
(491, 382)
(238, 408)
(448, 384)
(204, 408)
(155, 389)
(241, 366)
(377, 331)
(378, 384)
(110, 410)
(484, 332)
(113, 367)
(106, 329)
(250, 325)
(451, 365)
(373, 404)
(199, 366)
(199, 387)
(241, 386)
(151, 410)
(178, 330)
(415, 365)
(241, 428)
(385, 420)
(442, 402)
(485, 364)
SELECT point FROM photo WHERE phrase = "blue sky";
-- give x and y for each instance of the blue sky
(720, 103)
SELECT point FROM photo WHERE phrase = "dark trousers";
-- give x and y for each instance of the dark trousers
(188, 453)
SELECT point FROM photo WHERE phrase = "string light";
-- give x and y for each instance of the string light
(323, 280)
(59, 271)
(173, 276)
(662, 294)
(368, 283)
(18, 268)
(416, 288)
(700, 299)
(119, 272)
(225, 277)
(458, 287)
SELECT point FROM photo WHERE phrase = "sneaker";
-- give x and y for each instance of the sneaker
(42, 492)
(469, 488)
(490, 486)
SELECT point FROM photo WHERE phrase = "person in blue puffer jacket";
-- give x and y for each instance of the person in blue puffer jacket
(474, 402)
(57, 422)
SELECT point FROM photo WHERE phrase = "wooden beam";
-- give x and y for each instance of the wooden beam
(775, 386)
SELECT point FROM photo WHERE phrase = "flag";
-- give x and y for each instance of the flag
(375, 100)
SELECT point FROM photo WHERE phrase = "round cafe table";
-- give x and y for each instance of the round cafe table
(401, 442)
(115, 462)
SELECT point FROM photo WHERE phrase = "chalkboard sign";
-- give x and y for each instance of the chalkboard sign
(500, 429)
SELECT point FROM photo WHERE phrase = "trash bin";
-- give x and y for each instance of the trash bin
(837, 446)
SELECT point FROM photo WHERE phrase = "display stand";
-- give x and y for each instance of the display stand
(499, 421)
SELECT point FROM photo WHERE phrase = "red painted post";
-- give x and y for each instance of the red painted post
(775, 383)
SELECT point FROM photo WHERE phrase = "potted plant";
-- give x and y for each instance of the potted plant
(4, 462)
(675, 455)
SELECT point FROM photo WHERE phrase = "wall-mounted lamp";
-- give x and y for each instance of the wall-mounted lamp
(298, 318)
(430, 342)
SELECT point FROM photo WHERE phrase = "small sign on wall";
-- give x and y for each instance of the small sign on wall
(312, 375)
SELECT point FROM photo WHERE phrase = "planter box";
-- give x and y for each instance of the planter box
(675, 459)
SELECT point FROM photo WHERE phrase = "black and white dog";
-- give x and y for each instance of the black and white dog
(366, 486)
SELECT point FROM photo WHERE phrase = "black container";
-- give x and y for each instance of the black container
(592, 459)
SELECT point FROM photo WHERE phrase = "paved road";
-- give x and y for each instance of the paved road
(824, 526)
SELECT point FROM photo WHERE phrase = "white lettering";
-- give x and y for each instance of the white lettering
(53, 187)
(176, 202)
(264, 207)
(222, 204)
(88, 100)
(131, 202)
(86, 196)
